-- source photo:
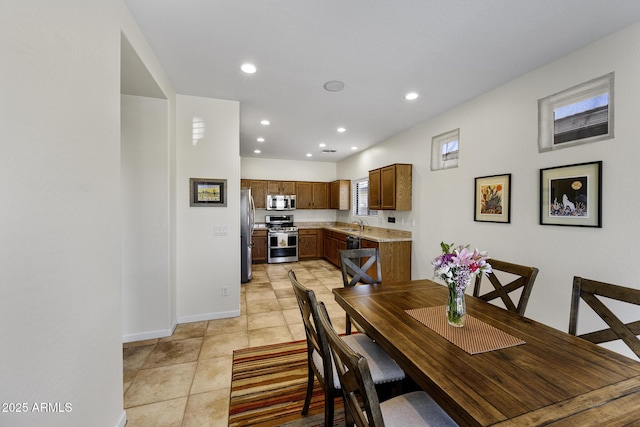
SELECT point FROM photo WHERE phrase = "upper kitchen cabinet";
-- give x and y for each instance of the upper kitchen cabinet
(390, 187)
(312, 195)
(340, 194)
(281, 187)
(258, 191)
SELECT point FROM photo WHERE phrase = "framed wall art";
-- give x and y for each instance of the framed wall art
(207, 192)
(492, 201)
(572, 195)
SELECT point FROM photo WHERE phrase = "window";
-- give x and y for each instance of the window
(581, 114)
(445, 150)
(361, 198)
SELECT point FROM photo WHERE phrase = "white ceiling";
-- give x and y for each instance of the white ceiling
(448, 51)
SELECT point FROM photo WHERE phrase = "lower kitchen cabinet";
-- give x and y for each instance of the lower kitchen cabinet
(395, 257)
(308, 244)
(333, 243)
(259, 252)
(395, 260)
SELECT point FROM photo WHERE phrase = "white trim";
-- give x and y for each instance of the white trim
(123, 419)
(149, 335)
(208, 316)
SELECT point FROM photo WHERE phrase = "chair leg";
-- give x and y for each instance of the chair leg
(310, 382)
(348, 327)
(328, 408)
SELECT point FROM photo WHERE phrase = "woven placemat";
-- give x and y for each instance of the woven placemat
(475, 337)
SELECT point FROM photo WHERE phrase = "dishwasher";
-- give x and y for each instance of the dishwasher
(353, 242)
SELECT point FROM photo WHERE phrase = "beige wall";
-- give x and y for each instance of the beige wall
(207, 262)
(498, 134)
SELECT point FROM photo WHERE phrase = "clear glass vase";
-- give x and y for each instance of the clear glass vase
(456, 307)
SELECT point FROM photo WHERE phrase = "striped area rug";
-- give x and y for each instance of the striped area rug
(268, 387)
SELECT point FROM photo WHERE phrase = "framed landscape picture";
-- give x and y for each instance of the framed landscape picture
(571, 195)
(207, 192)
(492, 201)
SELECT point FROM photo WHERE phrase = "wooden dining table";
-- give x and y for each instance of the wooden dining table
(548, 378)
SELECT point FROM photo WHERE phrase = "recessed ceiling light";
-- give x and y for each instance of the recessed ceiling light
(354, 148)
(411, 96)
(261, 139)
(309, 154)
(342, 130)
(248, 68)
(334, 86)
(265, 122)
(257, 151)
(322, 144)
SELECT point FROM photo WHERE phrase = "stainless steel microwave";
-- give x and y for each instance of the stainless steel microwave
(281, 202)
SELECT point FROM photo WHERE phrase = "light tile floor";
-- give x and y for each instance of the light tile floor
(185, 379)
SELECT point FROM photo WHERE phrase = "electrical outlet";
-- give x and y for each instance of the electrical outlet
(220, 231)
(225, 291)
(391, 219)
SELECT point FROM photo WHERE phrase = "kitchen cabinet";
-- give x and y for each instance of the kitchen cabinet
(258, 191)
(333, 243)
(395, 260)
(395, 256)
(312, 195)
(390, 187)
(259, 250)
(281, 187)
(310, 243)
(340, 194)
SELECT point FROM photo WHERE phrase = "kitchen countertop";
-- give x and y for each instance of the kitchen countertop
(375, 234)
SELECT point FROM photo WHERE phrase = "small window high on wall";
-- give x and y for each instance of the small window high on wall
(445, 150)
(581, 114)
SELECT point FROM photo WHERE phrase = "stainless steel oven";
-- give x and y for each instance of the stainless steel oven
(282, 239)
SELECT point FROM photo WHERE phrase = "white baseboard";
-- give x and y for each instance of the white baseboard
(162, 333)
(123, 419)
(208, 316)
(149, 335)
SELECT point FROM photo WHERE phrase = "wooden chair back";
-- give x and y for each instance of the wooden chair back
(524, 279)
(358, 266)
(316, 343)
(355, 378)
(589, 291)
(356, 263)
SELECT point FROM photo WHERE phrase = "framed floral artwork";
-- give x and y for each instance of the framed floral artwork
(207, 192)
(492, 201)
(571, 195)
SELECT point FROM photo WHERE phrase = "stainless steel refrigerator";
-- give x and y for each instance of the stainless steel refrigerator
(247, 220)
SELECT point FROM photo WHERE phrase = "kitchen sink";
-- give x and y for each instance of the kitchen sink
(350, 229)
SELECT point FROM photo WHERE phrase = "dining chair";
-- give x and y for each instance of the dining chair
(589, 291)
(320, 365)
(355, 265)
(515, 277)
(362, 405)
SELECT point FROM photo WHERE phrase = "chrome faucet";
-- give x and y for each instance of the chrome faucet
(360, 223)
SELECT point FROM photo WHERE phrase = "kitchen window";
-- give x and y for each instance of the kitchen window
(361, 198)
